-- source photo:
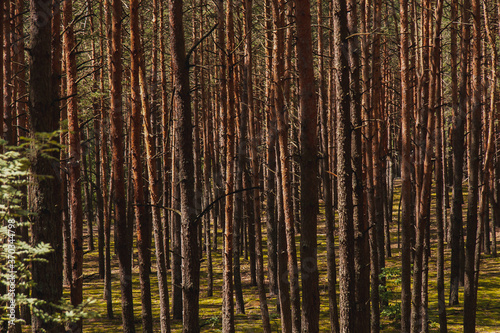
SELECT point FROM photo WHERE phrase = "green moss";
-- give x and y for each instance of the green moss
(488, 313)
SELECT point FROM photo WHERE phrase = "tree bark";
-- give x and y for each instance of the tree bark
(278, 7)
(406, 170)
(308, 170)
(269, 180)
(439, 163)
(189, 227)
(97, 69)
(2, 19)
(228, 302)
(123, 245)
(344, 170)
(7, 41)
(176, 272)
(283, 283)
(76, 213)
(458, 151)
(141, 216)
(44, 193)
(472, 250)
(105, 172)
(154, 193)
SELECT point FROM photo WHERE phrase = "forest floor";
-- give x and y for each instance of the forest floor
(488, 311)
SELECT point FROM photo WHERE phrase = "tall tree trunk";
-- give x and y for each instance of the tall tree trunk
(439, 162)
(278, 7)
(59, 89)
(254, 197)
(89, 205)
(122, 241)
(189, 227)
(283, 283)
(104, 164)
(44, 193)
(208, 197)
(473, 251)
(239, 205)
(2, 19)
(489, 168)
(141, 215)
(176, 235)
(269, 180)
(7, 39)
(344, 171)
(377, 142)
(406, 170)
(165, 120)
(76, 213)
(326, 113)
(97, 129)
(309, 170)
(227, 298)
(361, 254)
(20, 100)
(247, 98)
(458, 134)
(154, 193)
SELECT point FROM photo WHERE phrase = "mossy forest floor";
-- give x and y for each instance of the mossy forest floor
(488, 312)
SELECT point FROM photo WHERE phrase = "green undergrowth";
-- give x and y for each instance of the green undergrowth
(488, 313)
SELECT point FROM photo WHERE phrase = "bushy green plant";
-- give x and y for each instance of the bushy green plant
(389, 310)
(16, 254)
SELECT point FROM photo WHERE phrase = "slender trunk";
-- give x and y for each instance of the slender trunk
(489, 168)
(283, 283)
(154, 192)
(361, 252)
(104, 165)
(328, 195)
(2, 19)
(122, 241)
(247, 103)
(228, 302)
(439, 169)
(254, 196)
(344, 171)
(59, 89)
(473, 251)
(76, 214)
(189, 227)
(198, 194)
(377, 142)
(44, 192)
(89, 205)
(208, 197)
(269, 181)
(7, 39)
(20, 70)
(239, 205)
(368, 175)
(309, 170)
(460, 110)
(283, 126)
(176, 237)
(165, 120)
(141, 215)
(97, 130)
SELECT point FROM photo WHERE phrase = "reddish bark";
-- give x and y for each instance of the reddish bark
(189, 227)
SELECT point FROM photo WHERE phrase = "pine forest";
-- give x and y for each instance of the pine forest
(294, 166)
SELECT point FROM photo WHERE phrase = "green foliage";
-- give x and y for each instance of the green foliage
(214, 321)
(14, 170)
(16, 254)
(389, 310)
